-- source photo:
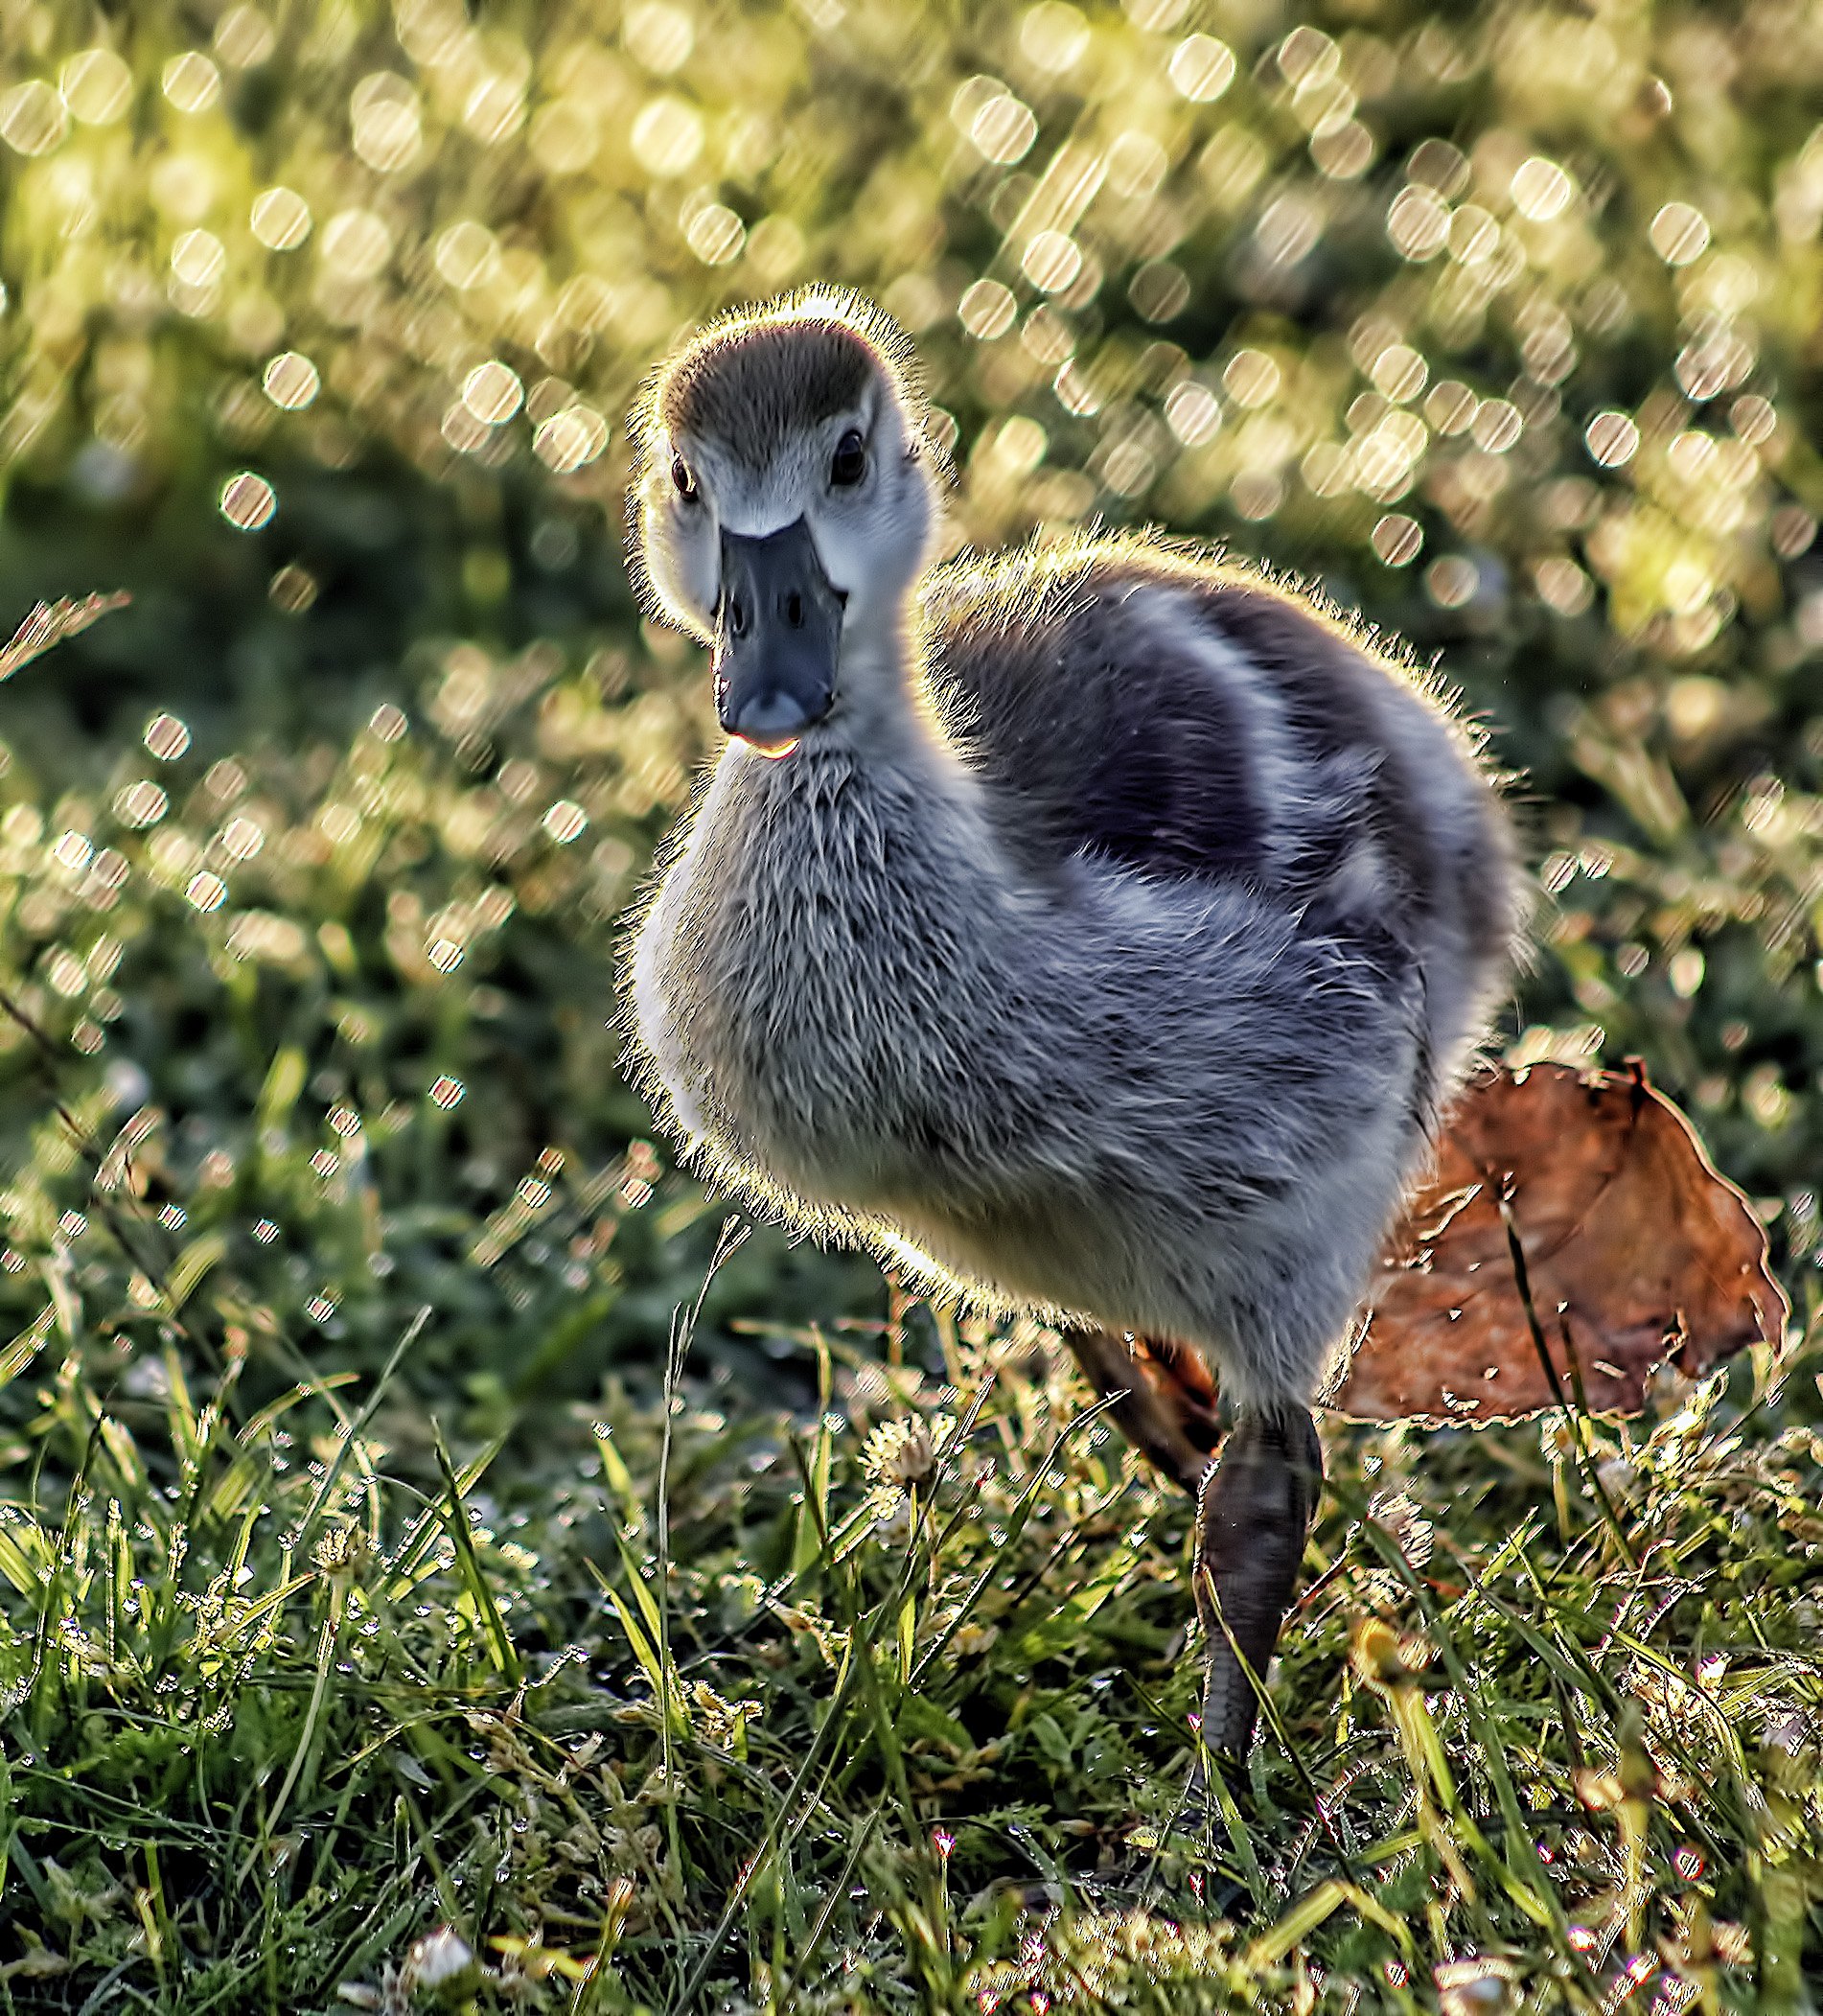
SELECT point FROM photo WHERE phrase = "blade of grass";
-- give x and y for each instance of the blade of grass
(423, 1531)
(826, 1915)
(348, 1431)
(1015, 1525)
(1297, 1925)
(506, 1658)
(327, 1641)
(733, 1235)
(833, 1716)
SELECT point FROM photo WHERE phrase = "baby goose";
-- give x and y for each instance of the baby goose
(1097, 929)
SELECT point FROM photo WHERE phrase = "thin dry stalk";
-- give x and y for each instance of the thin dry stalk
(51, 622)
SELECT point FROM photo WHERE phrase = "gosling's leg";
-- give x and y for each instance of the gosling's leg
(1162, 1399)
(1251, 1525)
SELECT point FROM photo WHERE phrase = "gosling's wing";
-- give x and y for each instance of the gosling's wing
(1194, 722)
(1116, 711)
(1097, 727)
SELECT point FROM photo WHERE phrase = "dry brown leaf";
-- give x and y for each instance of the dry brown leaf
(1635, 1246)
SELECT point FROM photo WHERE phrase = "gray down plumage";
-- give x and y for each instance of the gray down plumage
(1112, 945)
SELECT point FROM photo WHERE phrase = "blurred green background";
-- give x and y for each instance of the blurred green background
(320, 325)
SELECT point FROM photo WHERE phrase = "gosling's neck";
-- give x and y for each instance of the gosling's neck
(880, 777)
(883, 718)
(877, 817)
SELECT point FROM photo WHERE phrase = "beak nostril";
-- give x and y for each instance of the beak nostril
(778, 636)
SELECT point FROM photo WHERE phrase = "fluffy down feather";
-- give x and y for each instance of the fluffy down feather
(1123, 983)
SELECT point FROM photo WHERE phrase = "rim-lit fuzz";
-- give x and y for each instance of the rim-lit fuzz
(778, 460)
(1104, 944)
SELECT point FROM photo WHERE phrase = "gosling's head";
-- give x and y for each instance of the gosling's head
(783, 507)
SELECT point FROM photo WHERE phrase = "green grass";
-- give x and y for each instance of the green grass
(374, 1573)
(700, 1708)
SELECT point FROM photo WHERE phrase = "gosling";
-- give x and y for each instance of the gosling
(1097, 930)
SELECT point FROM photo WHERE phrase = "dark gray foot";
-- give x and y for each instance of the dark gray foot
(1251, 1525)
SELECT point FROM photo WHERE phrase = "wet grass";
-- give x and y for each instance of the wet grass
(440, 1563)
(318, 1698)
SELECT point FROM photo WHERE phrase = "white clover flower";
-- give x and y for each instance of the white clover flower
(905, 1451)
(892, 1509)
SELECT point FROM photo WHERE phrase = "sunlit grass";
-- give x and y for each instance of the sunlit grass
(888, 1710)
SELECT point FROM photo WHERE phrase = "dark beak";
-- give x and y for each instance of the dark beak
(778, 636)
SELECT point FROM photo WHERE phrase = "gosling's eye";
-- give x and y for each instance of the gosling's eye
(849, 463)
(681, 477)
